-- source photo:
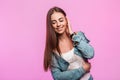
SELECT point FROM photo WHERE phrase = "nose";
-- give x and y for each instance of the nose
(58, 24)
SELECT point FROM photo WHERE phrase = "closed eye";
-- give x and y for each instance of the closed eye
(61, 19)
(53, 22)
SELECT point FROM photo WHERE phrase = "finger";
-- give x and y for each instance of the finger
(68, 22)
(69, 27)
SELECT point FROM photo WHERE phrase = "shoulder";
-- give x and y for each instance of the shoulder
(82, 35)
(79, 32)
(55, 51)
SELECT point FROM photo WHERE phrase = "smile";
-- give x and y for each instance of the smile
(59, 29)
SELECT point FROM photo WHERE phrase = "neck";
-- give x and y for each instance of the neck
(63, 36)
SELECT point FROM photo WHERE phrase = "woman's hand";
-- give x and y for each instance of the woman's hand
(87, 66)
(69, 29)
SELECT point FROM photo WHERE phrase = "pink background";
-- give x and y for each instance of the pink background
(22, 36)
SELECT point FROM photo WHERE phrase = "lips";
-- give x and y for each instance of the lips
(60, 28)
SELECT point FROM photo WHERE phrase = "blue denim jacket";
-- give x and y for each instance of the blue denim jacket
(59, 65)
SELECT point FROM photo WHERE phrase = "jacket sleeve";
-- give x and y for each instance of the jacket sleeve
(58, 74)
(82, 44)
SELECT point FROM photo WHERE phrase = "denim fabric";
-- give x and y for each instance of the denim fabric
(59, 66)
(91, 78)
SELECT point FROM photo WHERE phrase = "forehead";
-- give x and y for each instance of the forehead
(57, 15)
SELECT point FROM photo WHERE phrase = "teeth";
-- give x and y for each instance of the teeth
(59, 28)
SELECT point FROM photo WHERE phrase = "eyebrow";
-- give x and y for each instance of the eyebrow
(59, 19)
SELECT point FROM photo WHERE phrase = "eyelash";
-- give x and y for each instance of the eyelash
(53, 23)
(59, 20)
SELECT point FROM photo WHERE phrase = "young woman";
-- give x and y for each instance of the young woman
(66, 52)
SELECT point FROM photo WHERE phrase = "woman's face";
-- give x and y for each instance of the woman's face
(59, 22)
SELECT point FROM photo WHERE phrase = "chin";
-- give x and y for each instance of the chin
(60, 32)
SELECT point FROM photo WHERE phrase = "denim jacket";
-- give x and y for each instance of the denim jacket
(59, 65)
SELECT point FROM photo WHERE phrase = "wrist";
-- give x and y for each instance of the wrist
(71, 34)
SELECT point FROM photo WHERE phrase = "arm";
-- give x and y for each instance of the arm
(82, 44)
(58, 74)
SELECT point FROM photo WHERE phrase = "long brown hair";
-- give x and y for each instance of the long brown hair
(51, 38)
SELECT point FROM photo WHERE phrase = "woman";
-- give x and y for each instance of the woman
(66, 52)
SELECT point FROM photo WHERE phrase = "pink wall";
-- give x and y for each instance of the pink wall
(22, 36)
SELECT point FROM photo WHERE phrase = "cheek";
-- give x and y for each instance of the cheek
(54, 26)
(65, 24)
